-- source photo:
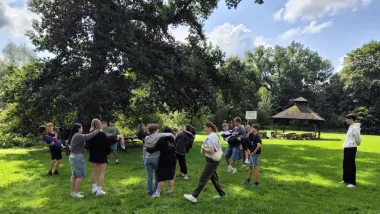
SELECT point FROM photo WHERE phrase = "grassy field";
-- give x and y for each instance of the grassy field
(296, 177)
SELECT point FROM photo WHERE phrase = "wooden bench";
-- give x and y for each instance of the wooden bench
(306, 136)
(289, 136)
(132, 140)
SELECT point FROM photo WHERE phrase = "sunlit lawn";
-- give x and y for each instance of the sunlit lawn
(296, 177)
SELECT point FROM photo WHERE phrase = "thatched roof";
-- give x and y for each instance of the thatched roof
(299, 112)
(300, 99)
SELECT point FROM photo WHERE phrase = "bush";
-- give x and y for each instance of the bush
(17, 140)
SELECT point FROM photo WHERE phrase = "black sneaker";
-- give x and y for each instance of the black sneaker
(255, 185)
(50, 173)
(56, 172)
(245, 182)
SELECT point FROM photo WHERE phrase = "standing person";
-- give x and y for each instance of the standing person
(120, 138)
(234, 142)
(99, 149)
(141, 135)
(353, 140)
(254, 145)
(193, 131)
(244, 146)
(152, 159)
(112, 135)
(182, 141)
(166, 163)
(77, 159)
(209, 146)
(55, 150)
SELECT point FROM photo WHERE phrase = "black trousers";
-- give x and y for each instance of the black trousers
(209, 172)
(349, 165)
(182, 163)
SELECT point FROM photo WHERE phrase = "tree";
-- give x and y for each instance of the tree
(290, 72)
(361, 77)
(96, 42)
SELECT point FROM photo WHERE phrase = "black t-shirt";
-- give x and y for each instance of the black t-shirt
(142, 135)
(254, 139)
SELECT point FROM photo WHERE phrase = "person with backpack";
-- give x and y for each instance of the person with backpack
(351, 143)
(182, 140)
(212, 149)
(234, 142)
(166, 163)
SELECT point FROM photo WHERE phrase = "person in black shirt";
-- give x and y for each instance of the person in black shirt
(99, 149)
(167, 162)
(254, 145)
(56, 153)
(182, 141)
(141, 135)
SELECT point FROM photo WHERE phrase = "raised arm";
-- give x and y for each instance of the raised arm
(86, 137)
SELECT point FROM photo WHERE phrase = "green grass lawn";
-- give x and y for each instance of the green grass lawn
(296, 177)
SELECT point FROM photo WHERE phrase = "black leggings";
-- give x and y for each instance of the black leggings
(182, 163)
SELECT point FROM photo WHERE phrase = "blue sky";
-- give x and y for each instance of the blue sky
(331, 27)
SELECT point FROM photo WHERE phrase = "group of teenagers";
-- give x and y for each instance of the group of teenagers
(161, 152)
(163, 149)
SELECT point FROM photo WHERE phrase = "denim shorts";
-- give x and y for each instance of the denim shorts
(114, 147)
(232, 153)
(78, 165)
(254, 159)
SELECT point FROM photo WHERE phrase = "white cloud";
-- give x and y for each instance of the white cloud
(278, 15)
(312, 28)
(180, 33)
(341, 63)
(15, 20)
(260, 40)
(290, 33)
(312, 9)
(234, 40)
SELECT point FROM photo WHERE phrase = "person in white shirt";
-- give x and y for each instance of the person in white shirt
(350, 145)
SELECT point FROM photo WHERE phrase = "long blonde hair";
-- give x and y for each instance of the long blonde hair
(95, 125)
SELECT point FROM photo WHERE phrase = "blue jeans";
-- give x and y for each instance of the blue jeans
(144, 155)
(151, 165)
(232, 152)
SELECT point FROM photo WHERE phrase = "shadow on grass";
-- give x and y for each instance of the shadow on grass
(294, 179)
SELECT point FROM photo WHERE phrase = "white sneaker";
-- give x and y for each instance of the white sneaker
(186, 177)
(342, 182)
(155, 195)
(190, 198)
(234, 170)
(229, 168)
(77, 195)
(218, 196)
(100, 192)
(351, 186)
(246, 161)
(244, 166)
(94, 190)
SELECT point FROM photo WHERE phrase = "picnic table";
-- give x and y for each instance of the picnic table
(307, 136)
(133, 140)
(289, 136)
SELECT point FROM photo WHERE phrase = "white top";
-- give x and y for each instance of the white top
(212, 140)
(353, 138)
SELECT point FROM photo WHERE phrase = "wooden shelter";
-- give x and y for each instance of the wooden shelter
(299, 111)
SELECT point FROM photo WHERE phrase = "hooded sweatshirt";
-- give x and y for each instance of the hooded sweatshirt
(353, 138)
(151, 141)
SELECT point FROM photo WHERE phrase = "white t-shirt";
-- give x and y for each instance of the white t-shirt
(212, 140)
